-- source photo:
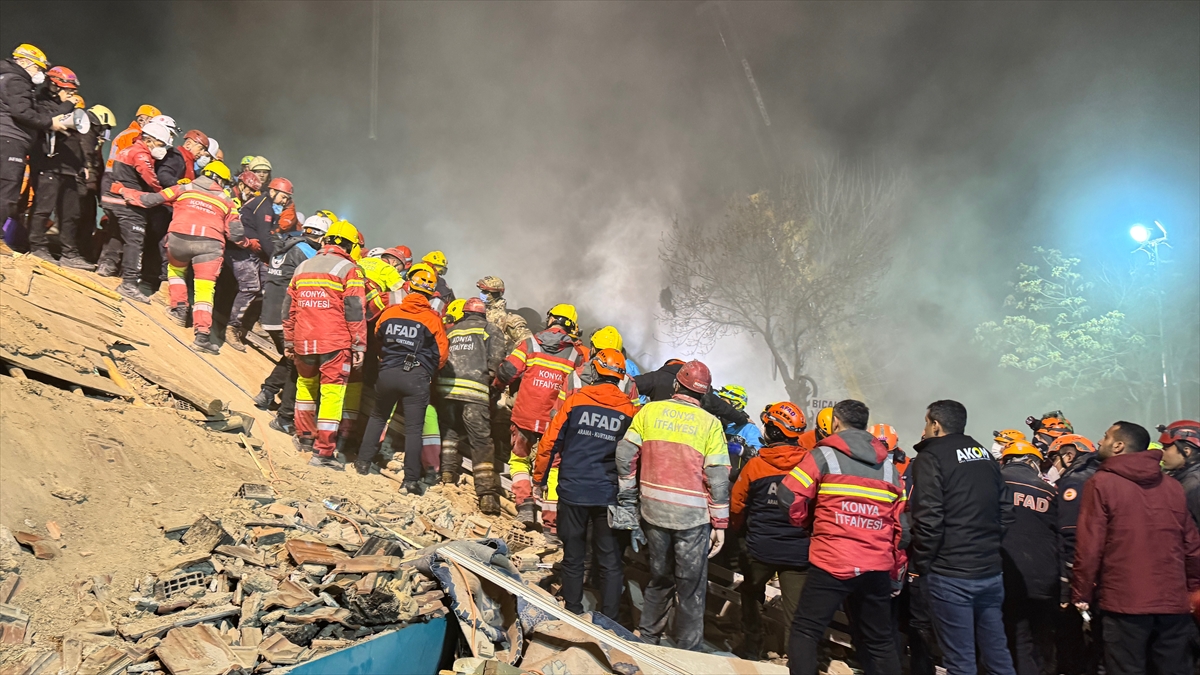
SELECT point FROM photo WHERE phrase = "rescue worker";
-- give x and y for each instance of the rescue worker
(960, 511)
(1030, 561)
(244, 165)
(248, 185)
(658, 385)
(130, 134)
(476, 349)
(437, 260)
(177, 167)
(583, 439)
(132, 169)
(21, 121)
(674, 462)
(514, 327)
(204, 218)
(1076, 461)
(260, 167)
(325, 330)
(55, 169)
(821, 431)
(248, 264)
(543, 362)
(744, 440)
(282, 379)
(1003, 439)
(773, 545)
(102, 123)
(413, 348)
(1048, 427)
(399, 257)
(1181, 460)
(850, 495)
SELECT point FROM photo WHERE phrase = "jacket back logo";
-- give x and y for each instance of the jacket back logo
(601, 421)
(1039, 504)
(972, 454)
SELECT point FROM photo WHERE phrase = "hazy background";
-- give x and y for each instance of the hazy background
(551, 144)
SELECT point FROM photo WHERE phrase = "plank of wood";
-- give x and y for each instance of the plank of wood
(45, 267)
(125, 337)
(58, 370)
(204, 403)
(368, 563)
(119, 380)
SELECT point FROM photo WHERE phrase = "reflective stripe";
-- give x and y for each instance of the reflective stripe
(830, 459)
(889, 471)
(320, 283)
(341, 265)
(690, 500)
(845, 490)
(719, 511)
(328, 426)
(468, 331)
(553, 365)
(801, 476)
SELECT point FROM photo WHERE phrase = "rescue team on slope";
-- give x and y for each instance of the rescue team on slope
(1049, 555)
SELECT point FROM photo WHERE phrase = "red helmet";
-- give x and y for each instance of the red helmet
(281, 184)
(63, 77)
(250, 180)
(609, 363)
(785, 416)
(474, 306)
(198, 136)
(694, 376)
(887, 434)
(1183, 431)
(401, 253)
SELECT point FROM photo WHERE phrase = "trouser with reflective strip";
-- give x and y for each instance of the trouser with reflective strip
(324, 376)
(247, 272)
(520, 465)
(204, 255)
(469, 423)
(548, 502)
(350, 407)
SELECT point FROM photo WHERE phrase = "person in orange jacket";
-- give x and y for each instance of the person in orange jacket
(129, 136)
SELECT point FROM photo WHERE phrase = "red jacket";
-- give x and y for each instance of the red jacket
(849, 492)
(132, 170)
(323, 309)
(1136, 546)
(543, 363)
(202, 209)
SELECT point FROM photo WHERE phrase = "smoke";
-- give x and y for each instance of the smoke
(552, 143)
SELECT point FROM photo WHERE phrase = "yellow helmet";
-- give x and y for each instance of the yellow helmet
(607, 338)
(825, 422)
(422, 277)
(323, 212)
(344, 233)
(32, 54)
(435, 258)
(218, 169)
(565, 316)
(1007, 437)
(147, 110)
(103, 114)
(454, 312)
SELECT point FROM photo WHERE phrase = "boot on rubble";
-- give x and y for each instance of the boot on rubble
(202, 344)
(178, 314)
(527, 514)
(233, 338)
(106, 268)
(76, 263)
(489, 505)
(264, 399)
(131, 291)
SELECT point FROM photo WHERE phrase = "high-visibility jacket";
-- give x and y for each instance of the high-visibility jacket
(543, 363)
(850, 494)
(584, 435)
(381, 279)
(476, 350)
(684, 464)
(323, 310)
(202, 209)
(123, 140)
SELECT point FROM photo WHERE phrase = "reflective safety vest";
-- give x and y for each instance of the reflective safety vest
(543, 363)
(476, 350)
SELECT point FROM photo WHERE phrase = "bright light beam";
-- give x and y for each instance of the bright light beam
(1139, 233)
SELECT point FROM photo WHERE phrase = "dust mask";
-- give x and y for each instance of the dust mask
(38, 77)
(1052, 475)
(159, 152)
(277, 208)
(202, 161)
(997, 449)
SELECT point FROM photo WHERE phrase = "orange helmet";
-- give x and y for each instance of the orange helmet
(609, 363)
(785, 416)
(1081, 444)
(887, 434)
(1020, 448)
(422, 278)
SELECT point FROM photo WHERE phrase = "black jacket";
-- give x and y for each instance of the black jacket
(280, 267)
(54, 152)
(1070, 488)
(659, 385)
(171, 168)
(1031, 567)
(20, 117)
(258, 219)
(960, 508)
(476, 351)
(1189, 476)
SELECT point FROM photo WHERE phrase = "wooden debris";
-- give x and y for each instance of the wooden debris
(10, 587)
(155, 626)
(60, 370)
(54, 530)
(119, 380)
(45, 267)
(368, 563)
(205, 404)
(107, 659)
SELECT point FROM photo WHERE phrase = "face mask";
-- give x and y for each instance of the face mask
(483, 296)
(38, 77)
(159, 152)
(1053, 474)
(277, 208)
(107, 135)
(202, 161)
(996, 450)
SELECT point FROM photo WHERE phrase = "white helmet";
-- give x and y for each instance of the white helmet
(213, 147)
(318, 224)
(376, 252)
(158, 131)
(167, 121)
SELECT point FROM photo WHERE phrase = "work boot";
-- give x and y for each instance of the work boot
(106, 268)
(178, 315)
(302, 444)
(202, 344)
(131, 291)
(76, 263)
(43, 254)
(363, 468)
(327, 462)
(233, 338)
(449, 477)
(552, 538)
(264, 399)
(527, 514)
(489, 504)
(412, 487)
(283, 426)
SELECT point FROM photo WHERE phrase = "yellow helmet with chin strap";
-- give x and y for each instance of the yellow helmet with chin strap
(218, 169)
(423, 278)
(607, 338)
(435, 258)
(344, 234)
(454, 311)
(565, 316)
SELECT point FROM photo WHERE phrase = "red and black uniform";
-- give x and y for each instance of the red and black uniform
(412, 349)
(133, 169)
(323, 322)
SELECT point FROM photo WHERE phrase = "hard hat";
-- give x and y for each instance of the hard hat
(887, 434)
(79, 103)
(251, 180)
(246, 161)
(825, 422)
(694, 376)
(607, 338)
(167, 121)
(319, 224)
(1182, 431)
(401, 253)
(213, 147)
(198, 136)
(157, 131)
(491, 284)
(63, 77)
(376, 252)
(454, 311)
(146, 110)
(32, 54)
(563, 315)
(1081, 444)
(609, 363)
(422, 277)
(259, 163)
(280, 185)
(735, 395)
(218, 169)
(328, 214)
(342, 233)
(435, 258)
(1021, 448)
(785, 416)
(1008, 436)
(474, 306)
(106, 116)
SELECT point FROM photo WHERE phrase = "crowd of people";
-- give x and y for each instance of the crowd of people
(1045, 554)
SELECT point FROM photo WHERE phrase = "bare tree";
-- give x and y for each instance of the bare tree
(791, 266)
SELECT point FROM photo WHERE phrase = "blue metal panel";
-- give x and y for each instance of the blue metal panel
(413, 650)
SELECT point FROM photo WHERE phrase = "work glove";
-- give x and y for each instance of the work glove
(539, 492)
(622, 517)
(254, 245)
(716, 541)
(638, 540)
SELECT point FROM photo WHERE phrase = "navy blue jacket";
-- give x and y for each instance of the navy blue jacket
(583, 437)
